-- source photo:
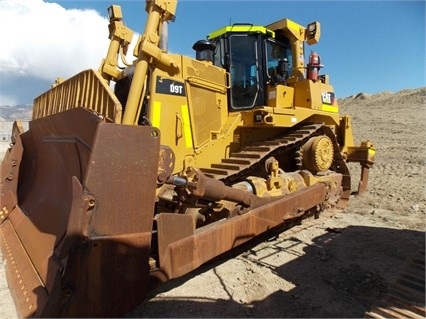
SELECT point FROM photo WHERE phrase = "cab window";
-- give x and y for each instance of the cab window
(276, 52)
(244, 71)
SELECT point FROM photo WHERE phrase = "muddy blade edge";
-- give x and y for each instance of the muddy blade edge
(79, 195)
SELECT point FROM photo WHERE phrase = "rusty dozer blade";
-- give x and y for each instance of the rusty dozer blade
(77, 205)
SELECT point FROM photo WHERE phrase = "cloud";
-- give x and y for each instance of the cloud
(48, 41)
(44, 40)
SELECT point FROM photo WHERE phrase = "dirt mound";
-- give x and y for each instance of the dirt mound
(362, 96)
(406, 96)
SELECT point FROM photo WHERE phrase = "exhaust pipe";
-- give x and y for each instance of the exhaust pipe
(164, 36)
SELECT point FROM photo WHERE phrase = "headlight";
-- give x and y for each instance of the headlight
(312, 27)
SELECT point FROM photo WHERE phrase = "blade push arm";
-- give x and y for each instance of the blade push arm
(148, 53)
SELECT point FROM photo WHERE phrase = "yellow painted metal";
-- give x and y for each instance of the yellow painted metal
(186, 126)
(86, 89)
(243, 29)
(290, 28)
(146, 50)
(280, 96)
(313, 33)
(364, 154)
(197, 124)
(120, 37)
(318, 153)
(345, 133)
(282, 117)
(298, 35)
(315, 95)
(156, 114)
(330, 108)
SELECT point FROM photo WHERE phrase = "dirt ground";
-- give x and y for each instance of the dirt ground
(339, 266)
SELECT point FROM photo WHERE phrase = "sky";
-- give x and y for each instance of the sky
(365, 46)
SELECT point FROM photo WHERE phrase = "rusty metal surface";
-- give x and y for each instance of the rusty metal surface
(166, 164)
(82, 227)
(203, 186)
(9, 179)
(362, 185)
(406, 296)
(182, 256)
(171, 228)
(20, 275)
(54, 152)
(365, 156)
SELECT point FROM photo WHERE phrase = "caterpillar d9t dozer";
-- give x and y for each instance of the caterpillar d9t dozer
(110, 190)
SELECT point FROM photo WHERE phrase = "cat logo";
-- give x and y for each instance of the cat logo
(329, 103)
(327, 98)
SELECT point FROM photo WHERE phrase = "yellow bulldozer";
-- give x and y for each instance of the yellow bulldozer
(140, 172)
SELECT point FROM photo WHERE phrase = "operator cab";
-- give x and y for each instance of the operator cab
(254, 56)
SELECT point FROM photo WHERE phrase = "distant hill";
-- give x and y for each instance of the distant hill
(407, 96)
(18, 112)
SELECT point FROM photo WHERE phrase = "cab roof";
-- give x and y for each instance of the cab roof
(241, 28)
